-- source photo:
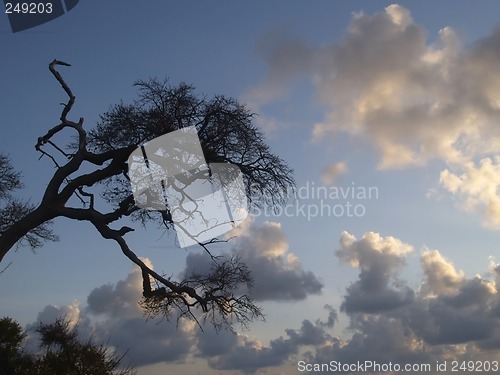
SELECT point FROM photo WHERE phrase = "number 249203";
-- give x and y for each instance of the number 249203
(28, 8)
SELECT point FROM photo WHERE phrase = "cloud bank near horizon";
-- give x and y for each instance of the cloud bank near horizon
(448, 316)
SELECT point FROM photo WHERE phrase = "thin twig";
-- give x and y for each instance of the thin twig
(5, 269)
(58, 149)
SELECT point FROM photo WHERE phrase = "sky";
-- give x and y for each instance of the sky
(387, 112)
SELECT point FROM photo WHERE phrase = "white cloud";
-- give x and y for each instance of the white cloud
(277, 272)
(392, 88)
(399, 15)
(379, 260)
(448, 308)
(449, 317)
(120, 320)
(51, 313)
(332, 172)
(478, 188)
(113, 317)
(441, 276)
(412, 98)
(249, 355)
(148, 341)
(117, 299)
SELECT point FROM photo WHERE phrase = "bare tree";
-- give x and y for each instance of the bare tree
(12, 210)
(227, 135)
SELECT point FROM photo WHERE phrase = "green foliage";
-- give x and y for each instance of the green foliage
(12, 359)
(61, 352)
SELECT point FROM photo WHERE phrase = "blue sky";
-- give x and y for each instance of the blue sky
(351, 94)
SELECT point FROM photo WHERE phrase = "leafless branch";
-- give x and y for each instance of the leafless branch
(5, 269)
(227, 134)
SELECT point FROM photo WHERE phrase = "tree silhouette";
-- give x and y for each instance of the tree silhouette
(12, 210)
(96, 163)
(12, 359)
(61, 352)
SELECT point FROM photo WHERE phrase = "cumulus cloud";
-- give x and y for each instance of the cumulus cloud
(478, 188)
(441, 277)
(120, 320)
(412, 96)
(277, 272)
(112, 314)
(391, 88)
(413, 99)
(248, 355)
(379, 260)
(447, 308)
(51, 313)
(449, 316)
(118, 298)
(164, 342)
(113, 317)
(149, 342)
(332, 172)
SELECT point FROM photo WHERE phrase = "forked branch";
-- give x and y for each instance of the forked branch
(227, 135)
